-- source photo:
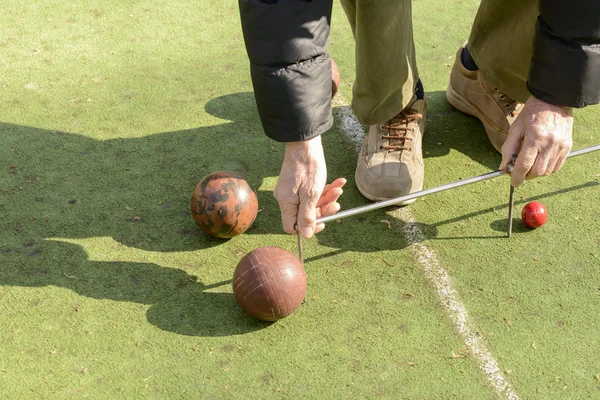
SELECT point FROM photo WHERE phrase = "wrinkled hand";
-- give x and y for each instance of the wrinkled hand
(301, 192)
(542, 136)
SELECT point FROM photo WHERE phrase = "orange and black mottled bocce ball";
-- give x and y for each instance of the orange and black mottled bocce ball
(224, 205)
(269, 283)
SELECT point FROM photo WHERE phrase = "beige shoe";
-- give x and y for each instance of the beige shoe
(391, 160)
(472, 94)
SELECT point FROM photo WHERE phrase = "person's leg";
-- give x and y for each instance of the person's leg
(388, 96)
(386, 68)
(500, 44)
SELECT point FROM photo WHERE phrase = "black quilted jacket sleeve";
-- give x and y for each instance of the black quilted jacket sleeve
(286, 41)
(565, 66)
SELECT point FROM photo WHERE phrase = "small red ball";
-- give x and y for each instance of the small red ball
(269, 283)
(224, 205)
(534, 214)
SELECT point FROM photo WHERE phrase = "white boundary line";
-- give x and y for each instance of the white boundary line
(436, 274)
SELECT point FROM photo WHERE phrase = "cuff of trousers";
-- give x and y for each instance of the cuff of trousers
(564, 72)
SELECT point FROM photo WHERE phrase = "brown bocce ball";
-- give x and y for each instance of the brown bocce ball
(224, 205)
(269, 283)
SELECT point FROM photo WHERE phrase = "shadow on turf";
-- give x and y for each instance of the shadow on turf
(501, 225)
(178, 302)
(448, 129)
(389, 231)
(137, 191)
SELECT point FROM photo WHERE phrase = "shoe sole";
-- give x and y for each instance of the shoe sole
(462, 105)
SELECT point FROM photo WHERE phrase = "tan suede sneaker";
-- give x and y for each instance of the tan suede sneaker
(390, 163)
(472, 94)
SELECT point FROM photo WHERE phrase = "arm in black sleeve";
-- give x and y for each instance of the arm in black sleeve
(565, 66)
(286, 41)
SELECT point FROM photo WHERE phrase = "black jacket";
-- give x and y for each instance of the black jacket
(287, 40)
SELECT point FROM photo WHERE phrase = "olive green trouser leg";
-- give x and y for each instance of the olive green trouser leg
(501, 43)
(386, 68)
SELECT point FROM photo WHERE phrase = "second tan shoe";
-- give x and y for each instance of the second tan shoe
(390, 163)
(472, 94)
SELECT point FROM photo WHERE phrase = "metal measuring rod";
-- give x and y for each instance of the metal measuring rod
(401, 199)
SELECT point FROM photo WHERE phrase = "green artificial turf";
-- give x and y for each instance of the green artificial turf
(113, 111)
(533, 297)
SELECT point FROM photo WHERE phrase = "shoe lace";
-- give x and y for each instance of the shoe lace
(510, 104)
(399, 127)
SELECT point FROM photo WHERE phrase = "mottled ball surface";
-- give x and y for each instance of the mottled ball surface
(224, 205)
(269, 283)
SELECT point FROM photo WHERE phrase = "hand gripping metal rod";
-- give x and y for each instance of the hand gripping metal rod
(401, 199)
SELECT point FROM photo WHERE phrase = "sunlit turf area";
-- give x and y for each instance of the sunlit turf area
(113, 111)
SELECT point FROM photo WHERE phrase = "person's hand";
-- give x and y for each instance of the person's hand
(301, 191)
(542, 137)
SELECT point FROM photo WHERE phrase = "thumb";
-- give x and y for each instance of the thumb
(289, 213)
(513, 143)
(307, 216)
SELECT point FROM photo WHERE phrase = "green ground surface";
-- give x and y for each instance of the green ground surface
(113, 111)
